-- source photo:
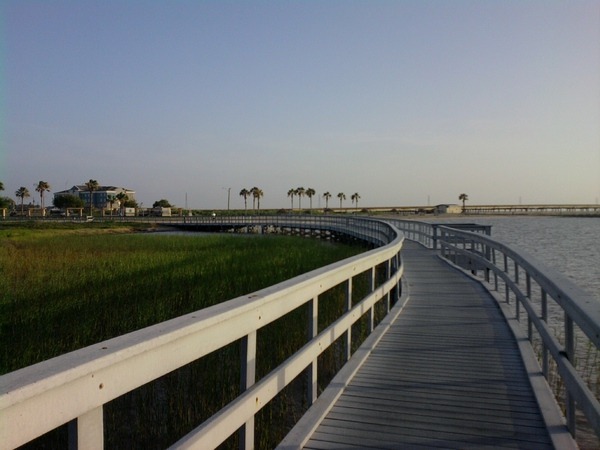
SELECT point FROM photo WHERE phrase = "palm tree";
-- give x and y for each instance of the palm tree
(253, 193)
(42, 187)
(355, 198)
(245, 193)
(464, 198)
(341, 196)
(327, 196)
(256, 195)
(291, 194)
(300, 193)
(309, 193)
(92, 186)
(22, 193)
(110, 199)
(122, 197)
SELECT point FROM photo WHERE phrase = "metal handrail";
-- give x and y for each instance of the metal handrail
(73, 388)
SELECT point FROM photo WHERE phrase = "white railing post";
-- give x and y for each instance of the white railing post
(87, 431)
(247, 379)
(372, 309)
(398, 262)
(388, 274)
(348, 308)
(312, 370)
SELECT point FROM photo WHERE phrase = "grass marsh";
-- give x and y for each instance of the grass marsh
(61, 290)
(64, 289)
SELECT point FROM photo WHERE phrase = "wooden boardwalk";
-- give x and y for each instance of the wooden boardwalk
(446, 374)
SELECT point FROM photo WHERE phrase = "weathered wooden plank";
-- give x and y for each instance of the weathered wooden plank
(447, 374)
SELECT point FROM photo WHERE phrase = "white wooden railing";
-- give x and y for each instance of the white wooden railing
(74, 387)
(557, 315)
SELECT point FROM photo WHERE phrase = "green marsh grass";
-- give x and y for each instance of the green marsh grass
(64, 289)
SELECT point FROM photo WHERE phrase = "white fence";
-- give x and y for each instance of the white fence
(74, 387)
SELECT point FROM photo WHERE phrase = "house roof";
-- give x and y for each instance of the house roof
(83, 188)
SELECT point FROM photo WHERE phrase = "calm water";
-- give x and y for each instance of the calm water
(569, 245)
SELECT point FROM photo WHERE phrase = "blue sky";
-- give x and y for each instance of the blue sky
(404, 102)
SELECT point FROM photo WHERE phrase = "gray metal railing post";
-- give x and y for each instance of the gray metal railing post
(570, 351)
(545, 356)
(529, 320)
(372, 309)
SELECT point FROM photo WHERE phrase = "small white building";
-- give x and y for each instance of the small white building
(448, 209)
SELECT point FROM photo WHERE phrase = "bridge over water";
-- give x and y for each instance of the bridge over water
(464, 357)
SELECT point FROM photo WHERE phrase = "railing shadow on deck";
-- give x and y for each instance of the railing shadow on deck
(73, 388)
(561, 321)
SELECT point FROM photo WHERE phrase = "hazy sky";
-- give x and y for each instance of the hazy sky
(404, 102)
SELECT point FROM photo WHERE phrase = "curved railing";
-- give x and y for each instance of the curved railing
(541, 298)
(74, 387)
(362, 228)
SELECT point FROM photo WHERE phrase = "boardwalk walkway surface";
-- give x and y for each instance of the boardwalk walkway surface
(447, 374)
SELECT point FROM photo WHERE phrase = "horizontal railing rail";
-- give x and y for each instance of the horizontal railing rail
(75, 387)
(541, 298)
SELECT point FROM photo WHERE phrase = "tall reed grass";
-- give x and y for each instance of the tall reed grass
(61, 290)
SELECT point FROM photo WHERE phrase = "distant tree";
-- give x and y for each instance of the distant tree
(22, 193)
(257, 193)
(111, 199)
(253, 197)
(327, 196)
(42, 187)
(310, 192)
(162, 203)
(300, 193)
(355, 198)
(245, 193)
(68, 201)
(122, 197)
(4, 201)
(92, 186)
(7, 203)
(342, 197)
(291, 194)
(463, 198)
